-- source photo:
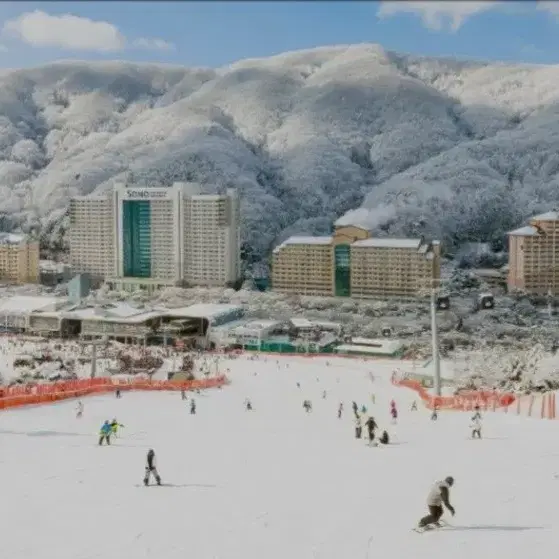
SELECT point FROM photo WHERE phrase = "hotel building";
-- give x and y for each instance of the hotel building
(19, 259)
(534, 256)
(351, 263)
(150, 238)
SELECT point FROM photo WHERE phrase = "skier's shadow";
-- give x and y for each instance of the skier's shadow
(494, 528)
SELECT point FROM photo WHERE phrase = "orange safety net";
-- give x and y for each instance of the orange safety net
(24, 395)
(487, 399)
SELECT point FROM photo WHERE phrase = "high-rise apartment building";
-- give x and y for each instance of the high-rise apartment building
(351, 263)
(19, 259)
(91, 236)
(534, 256)
(157, 237)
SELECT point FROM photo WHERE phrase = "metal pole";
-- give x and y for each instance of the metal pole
(435, 344)
(93, 359)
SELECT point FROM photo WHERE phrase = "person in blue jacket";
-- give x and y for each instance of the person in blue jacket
(105, 433)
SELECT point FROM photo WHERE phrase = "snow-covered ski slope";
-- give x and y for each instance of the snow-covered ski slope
(275, 483)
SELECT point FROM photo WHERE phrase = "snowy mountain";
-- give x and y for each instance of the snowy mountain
(459, 150)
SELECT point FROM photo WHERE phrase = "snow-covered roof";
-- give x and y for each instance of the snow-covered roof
(12, 238)
(301, 322)
(388, 243)
(547, 216)
(255, 327)
(384, 347)
(527, 231)
(202, 310)
(23, 304)
(304, 240)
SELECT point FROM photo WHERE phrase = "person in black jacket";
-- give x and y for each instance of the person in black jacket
(151, 468)
(371, 425)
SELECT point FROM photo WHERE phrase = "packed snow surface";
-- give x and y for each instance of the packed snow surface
(275, 482)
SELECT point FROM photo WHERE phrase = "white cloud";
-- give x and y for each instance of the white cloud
(549, 7)
(153, 44)
(67, 31)
(437, 15)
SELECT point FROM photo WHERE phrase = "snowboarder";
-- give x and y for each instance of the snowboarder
(358, 427)
(384, 438)
(79, 409)
(114, 426)
(438, 496)
(192, 407)
(371, 426)
(151, 468)
(476, 424)
(105, 433)
(340, 410)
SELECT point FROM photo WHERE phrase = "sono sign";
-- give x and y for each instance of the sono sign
(146, 193)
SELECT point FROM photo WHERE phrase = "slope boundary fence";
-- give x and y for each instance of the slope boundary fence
(485, 399)
(18, 396)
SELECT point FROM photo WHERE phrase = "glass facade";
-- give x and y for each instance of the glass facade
(136, 238)
(342, 258)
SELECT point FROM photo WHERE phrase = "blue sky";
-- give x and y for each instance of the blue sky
(218, 33)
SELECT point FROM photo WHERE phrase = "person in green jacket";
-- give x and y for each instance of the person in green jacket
(114, 426)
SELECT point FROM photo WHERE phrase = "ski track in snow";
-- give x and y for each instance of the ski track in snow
(276, 482)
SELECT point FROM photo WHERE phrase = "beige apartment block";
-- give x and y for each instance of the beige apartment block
(304, 266)
(393, 268)
(352, 264)
(19, 259)
(534, 256)
(91, 235)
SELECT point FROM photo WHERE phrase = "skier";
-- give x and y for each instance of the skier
(117, 393)
(354, 408)
(324, 395)
(363, 409)
(358, 427)
(105, 433)
(340, 410)
(307, 406)
(151, 468)
(183, 395)
(393, 411)
(248, 405)
(371, 426)
(114, 426)
(414, 406)
(476, 424)
(192, 407)
(79, 409)
(384, 438)
(435, 414)
(438, 496)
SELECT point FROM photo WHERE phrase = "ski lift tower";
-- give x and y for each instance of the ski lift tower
(433, 291)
